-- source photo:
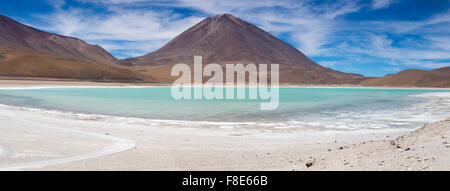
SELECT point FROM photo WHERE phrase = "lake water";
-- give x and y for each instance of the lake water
(299, 108)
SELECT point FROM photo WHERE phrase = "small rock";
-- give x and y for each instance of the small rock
(444, 143)
(340, 148)
(329, 150)
(392, 142)
(309, 164)
(347, 163)
(407, 149)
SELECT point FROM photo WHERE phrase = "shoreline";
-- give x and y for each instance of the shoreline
(27, 143)
(206, 138)
(56, 83)
(159, 148)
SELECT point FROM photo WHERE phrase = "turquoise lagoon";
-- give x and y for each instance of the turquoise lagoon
(299, 108)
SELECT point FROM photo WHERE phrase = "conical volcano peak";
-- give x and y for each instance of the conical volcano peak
(226, 39)
(226, 17)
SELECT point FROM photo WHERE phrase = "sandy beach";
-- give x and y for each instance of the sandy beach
(36, 140)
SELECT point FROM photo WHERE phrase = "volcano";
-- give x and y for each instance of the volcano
(225, 39)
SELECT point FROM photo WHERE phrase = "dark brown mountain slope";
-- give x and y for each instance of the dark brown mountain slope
(16, 35)
(28, 52)
(414, 78)
(227, 39)
(24, 63)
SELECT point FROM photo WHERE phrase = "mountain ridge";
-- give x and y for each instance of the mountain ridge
(223, 39)
(439, 77)
(29, 52)
(18, 35)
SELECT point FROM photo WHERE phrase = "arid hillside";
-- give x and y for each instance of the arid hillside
(29, 52)
(414, 78)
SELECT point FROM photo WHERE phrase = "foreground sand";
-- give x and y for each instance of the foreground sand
(33, 140)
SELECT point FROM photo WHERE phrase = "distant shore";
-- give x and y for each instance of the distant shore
(50, 82)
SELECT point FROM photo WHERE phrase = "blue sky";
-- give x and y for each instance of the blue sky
(370, 37)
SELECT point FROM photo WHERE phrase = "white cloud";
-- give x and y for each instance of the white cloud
(380, 4)
(438, 23)
(234, 6)
(310, 26)
(140, 30)
(382, 48)
(121, 24)
(112, 1)
(440, 42)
